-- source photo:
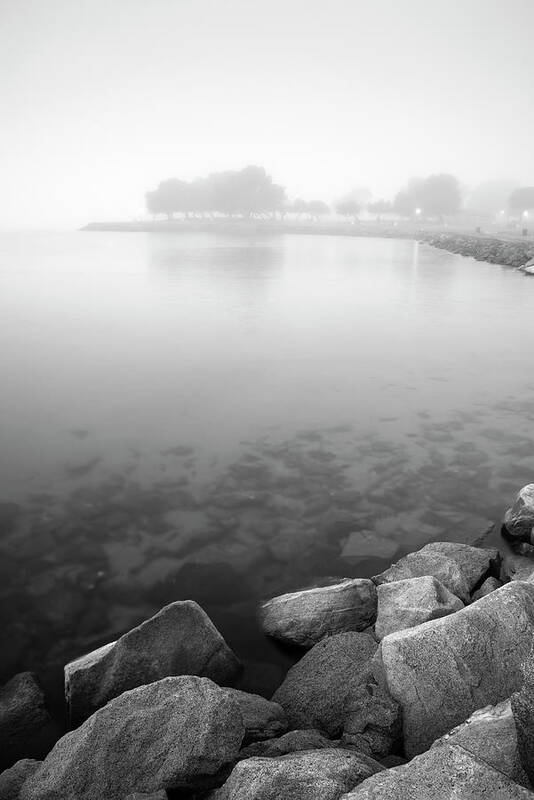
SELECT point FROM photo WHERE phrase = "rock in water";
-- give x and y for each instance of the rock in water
(519, 519)
(179, 640)
(26, 728)
(306, 617)
(412, 601)
(373, 722)
(459, 567)
(442, 671)
(523, 710)
(13, 779)
(308, 775)
(317, 690)
(175, 733)
(262, 718)
(443, 773)
(490, 736)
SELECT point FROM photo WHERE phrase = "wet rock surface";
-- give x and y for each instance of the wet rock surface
(179, 640)
(306, 617)
(308, 775)
(26, 728)
(443, 773)
(318, 689)
(179, 732)
(442, 671)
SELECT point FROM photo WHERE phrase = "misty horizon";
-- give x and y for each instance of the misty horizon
(101, 103)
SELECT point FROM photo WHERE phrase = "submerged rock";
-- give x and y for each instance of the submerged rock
(442, 671)
(490, 736)
(522, 704)
(373, 722)
(175, 733)
(178, 640)
(443, 773)
(26, 728)
(308, 775)
(519, 519)
(13, 779)
(459, 567)
(306, 617)
(412, 601)
(318, 688)
(292, 742)
(262, 718)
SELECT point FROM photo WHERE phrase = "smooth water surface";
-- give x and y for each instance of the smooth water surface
(206, 416)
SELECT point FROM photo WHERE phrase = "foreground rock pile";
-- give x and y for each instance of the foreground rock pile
(511, 253)
(417, 683)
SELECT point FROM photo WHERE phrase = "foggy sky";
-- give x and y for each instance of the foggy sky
(102, 99)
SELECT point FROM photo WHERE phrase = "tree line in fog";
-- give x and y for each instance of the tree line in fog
(251, 192)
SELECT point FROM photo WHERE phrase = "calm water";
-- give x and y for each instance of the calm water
(224, 419)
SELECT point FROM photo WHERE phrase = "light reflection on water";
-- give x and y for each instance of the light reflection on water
(213, 417)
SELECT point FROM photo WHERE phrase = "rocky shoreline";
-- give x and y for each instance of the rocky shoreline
(415, 683)
(508, 252)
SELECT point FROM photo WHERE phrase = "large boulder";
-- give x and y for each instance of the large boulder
(412, 601)
(442, 671)
(490, 735)
(179, 640)
(308, 775)
(292, 742)
(459, 567)
(306, 617)
(373, 722)
(262, 718)
(519, 519)
(178, 733)
(319, 687)
(443, 773)
(26, 728)
(522, 703)
(13, 779)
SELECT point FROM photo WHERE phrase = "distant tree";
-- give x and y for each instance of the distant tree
(247, 192)
(380, 207)
(348, 208)
(440, 195)
(522, 199)
(360, 194)
(317, 208)
(490, 197)
(405, 203)
(299, 207)
(169, 198)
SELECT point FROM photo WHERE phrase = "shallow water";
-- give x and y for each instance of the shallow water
(220, 418)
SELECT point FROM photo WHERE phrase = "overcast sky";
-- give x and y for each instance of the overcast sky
(102, 99)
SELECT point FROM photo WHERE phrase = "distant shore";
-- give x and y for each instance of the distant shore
(507, 248)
